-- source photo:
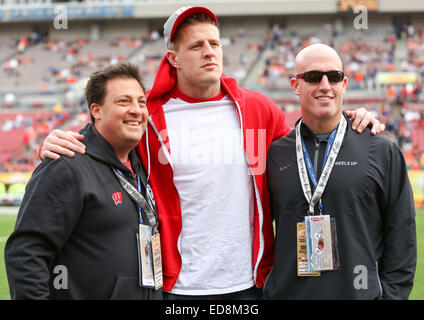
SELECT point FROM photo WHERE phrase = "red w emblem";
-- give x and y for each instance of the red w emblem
(117, 197)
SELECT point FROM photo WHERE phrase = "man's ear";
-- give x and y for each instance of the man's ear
(96, 111)
(345, 81)
(295, 85)
(172, 57)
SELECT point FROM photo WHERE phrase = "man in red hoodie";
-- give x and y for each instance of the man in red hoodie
(205, 151)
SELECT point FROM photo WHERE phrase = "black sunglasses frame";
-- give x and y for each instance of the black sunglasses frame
(333, 76)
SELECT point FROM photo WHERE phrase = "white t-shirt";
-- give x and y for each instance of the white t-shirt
(215, 188)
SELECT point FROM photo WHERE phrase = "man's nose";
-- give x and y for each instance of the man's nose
(135, 108)
(208, 50)
(324, 84)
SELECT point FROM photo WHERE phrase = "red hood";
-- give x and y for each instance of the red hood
(166, 80)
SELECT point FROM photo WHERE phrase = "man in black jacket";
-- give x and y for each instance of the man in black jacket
(76, 231)
(345, 224)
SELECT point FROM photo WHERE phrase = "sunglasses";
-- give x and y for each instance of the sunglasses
(316, 76)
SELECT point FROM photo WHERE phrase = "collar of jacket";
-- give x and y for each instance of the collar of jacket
(98, 148)
(307, 132)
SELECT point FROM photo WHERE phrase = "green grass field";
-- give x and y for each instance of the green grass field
(418, 289)
(7, 223)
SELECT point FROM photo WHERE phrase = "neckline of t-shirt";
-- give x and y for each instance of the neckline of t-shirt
(128, 165)
(178, 94)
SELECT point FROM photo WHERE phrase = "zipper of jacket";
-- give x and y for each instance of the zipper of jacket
(168, 157)
(257, 197)
(378, 280)
(162, 144)
(316, 156)
(149, 119)
(265, 283)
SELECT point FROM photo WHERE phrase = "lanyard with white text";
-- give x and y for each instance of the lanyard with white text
(331, 153)
(137, 196)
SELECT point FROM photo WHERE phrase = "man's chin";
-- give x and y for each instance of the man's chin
(212, 77)
(327, 114)
(133, 138)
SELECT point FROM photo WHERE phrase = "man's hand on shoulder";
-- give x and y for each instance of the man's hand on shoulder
(361, 118)
(60, 142)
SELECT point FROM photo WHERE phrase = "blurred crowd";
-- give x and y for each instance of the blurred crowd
(83, 64)
(363, 58)
(28, 131)
(17, 46)
(403, 111)
(69, 63)
(405, 126)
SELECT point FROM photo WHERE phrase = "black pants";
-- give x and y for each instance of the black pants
(248, 294)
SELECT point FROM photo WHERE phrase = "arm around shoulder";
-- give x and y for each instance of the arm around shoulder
(277, 120)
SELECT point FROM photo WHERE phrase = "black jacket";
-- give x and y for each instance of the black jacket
(370, 196)
(68, 217)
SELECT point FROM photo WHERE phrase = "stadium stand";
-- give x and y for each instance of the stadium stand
(363, 56)
(42, 68)
(52, 64)
(20, 135)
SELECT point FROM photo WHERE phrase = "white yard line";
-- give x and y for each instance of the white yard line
(5, 210)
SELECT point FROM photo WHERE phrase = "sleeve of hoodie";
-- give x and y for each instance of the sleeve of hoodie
(281, 128)
(49, 211)
(397, 267)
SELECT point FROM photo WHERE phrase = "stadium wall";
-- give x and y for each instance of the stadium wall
(111, 19)
(229, 25)
(107, 29)
(400, 6)
(15, 29)
(41, 10)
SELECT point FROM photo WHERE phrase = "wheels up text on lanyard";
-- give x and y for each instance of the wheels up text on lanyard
(317, 231)
(148, 238)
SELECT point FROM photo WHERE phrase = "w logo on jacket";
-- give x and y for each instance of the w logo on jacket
(117, 197)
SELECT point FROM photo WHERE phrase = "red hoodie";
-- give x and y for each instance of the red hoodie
(262, 122)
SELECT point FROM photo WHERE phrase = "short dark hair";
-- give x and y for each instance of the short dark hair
(95, 90)
(190, 20)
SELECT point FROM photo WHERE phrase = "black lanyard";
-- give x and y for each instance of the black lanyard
(138, 197)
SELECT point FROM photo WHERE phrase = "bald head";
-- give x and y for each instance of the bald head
(316, 54)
